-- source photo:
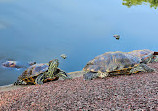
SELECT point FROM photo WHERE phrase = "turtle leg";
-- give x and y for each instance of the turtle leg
(17, 83)
(90, 76)
(141, 68)
(63, 74)
(147, 68)
(102, 74)
(39, 79)
(20, 82)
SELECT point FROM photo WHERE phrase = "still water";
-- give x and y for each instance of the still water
(40, 30)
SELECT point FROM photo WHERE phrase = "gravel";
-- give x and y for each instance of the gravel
(137, 92)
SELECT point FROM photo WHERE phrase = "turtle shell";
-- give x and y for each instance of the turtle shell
(112, 61)
(33, 71)
(141, 53)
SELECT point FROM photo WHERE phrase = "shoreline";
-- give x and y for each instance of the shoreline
(75, 74)
(125, 92)
(10, 87)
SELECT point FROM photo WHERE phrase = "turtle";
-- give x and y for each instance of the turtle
(17, 64)
(63, 56)
(115, 63)
(41, 73)
(116, 36)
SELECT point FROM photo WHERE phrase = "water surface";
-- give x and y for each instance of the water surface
(42, 30)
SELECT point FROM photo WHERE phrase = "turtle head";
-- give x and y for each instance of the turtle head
(149, 58)
(54, 63)
(53, 70)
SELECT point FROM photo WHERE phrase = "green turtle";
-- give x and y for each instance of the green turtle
(41, 73)
(114, 63)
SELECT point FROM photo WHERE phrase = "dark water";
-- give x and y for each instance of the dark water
(40, 30)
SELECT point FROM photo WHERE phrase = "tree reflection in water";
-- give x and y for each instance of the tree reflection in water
(129, 3)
